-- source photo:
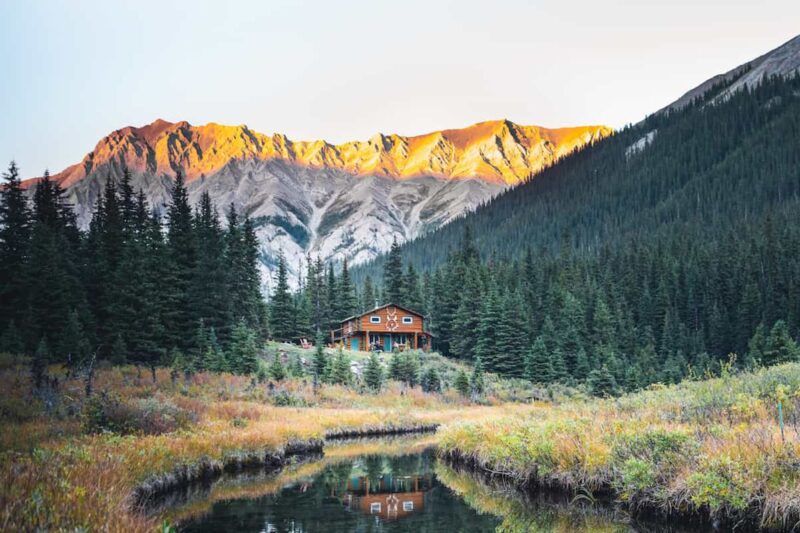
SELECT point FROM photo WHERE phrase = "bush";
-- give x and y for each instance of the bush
(283, 398)
(148, 416)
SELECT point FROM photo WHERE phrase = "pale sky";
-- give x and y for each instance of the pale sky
(73, 71)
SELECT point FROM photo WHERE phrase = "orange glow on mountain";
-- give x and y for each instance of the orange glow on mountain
(497, 151)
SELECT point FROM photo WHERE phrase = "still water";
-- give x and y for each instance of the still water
(381, 485)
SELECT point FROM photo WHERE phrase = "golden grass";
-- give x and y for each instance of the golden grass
(712, 447)
(57, 478)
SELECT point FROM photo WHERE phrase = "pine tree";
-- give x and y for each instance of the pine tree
(73, 348)
(487, 347)
(758, 345)
(331, 299)
(118, 354)
(346, 303)
(179, 316)
(539, 368)
(54, 288)
(601, 382)
(321, 364)
(340, 371)
(11, 340)
(276, 369)
(412, 292)
(209, 290)
(467, 319)
(281, 309)
(373, 373)
(368, 298)
(462, 383)
(780, 346)
(296, 369)
(15, 233)
(243, 353)
(476, 381)
(431, 381)
(393, 275)
(39, 362)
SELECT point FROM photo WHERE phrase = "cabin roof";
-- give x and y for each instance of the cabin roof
(406, 309)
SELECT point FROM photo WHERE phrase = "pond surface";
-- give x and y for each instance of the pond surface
(380, 485)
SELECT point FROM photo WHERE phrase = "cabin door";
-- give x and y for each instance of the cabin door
(387, 342)
(354, 344)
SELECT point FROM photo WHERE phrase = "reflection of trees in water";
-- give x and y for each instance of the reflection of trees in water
(373, 466)
(543, 512)
(308, 505)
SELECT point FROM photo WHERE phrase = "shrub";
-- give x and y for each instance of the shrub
(637, 476)
(284, 398)
(149, 416)
(719, 483)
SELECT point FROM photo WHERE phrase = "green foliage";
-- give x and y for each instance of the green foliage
(341, 374)
(431, 382)
(780, 346)
(637, 260)
(476, 380)
(637, 476)
(243, 351)
(720, 483)
(281, 318)
(276, 369)
(321, 362)
(404, 366)
(39, 361)
(462, 383)
(373, 373)
(601, 382)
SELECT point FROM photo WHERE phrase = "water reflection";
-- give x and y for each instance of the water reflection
(372, 493)
(386, 485)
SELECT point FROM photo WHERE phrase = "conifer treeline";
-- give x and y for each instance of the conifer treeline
(128, 288)
(625, 318)
(671, 244)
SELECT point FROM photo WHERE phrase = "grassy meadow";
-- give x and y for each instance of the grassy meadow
(711, 448)
(72, 463)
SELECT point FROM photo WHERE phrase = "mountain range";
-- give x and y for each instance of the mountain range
(319, 199)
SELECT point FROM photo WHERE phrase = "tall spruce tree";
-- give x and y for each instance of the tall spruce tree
(393, 275)
(281, 317)
(179, 315)
(15, 233)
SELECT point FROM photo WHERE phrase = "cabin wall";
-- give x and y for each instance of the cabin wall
(415, 326)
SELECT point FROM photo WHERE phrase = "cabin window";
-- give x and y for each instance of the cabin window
(375, 508)
(408, 506)
(374, 319)
(408, 320)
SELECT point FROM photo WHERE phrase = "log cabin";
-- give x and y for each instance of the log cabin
(384, 328)
(389, 497)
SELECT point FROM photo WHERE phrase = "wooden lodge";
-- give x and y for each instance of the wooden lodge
(385, 328)
(389, 497)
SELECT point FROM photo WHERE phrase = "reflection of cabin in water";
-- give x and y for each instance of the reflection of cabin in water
(384, 328)
(389, 497)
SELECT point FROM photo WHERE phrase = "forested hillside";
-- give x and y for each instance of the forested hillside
(133, 288)
(663, 248)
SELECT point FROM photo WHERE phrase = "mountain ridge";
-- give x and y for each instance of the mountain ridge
(498, 151)
(314, 198)
(783, 60)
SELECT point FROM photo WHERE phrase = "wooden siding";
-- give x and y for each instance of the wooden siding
(363, 323)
